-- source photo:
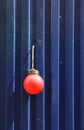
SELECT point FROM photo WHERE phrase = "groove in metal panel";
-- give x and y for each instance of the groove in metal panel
(62, 66)
(77, 115)
(82, 81)
(47, 64)
(73, 8)
(33, 41)
(14, 29)
(17, 94)
(14, 39)
(81, 63)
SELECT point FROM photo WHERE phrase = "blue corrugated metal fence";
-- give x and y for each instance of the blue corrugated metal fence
(56, 28)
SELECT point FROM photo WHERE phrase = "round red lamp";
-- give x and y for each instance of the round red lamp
(33, 82)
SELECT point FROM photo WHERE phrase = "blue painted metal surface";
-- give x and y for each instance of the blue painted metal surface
(56, 28)
(55, 60)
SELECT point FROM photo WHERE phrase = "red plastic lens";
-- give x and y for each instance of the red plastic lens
(33, 84)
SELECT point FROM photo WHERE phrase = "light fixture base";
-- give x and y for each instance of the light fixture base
(33, 71)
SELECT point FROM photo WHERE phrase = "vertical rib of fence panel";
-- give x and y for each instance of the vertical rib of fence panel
(69, 66)
(25, 63)
(10, 63)
(55, 34)
(17, 95)
(40, 61)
